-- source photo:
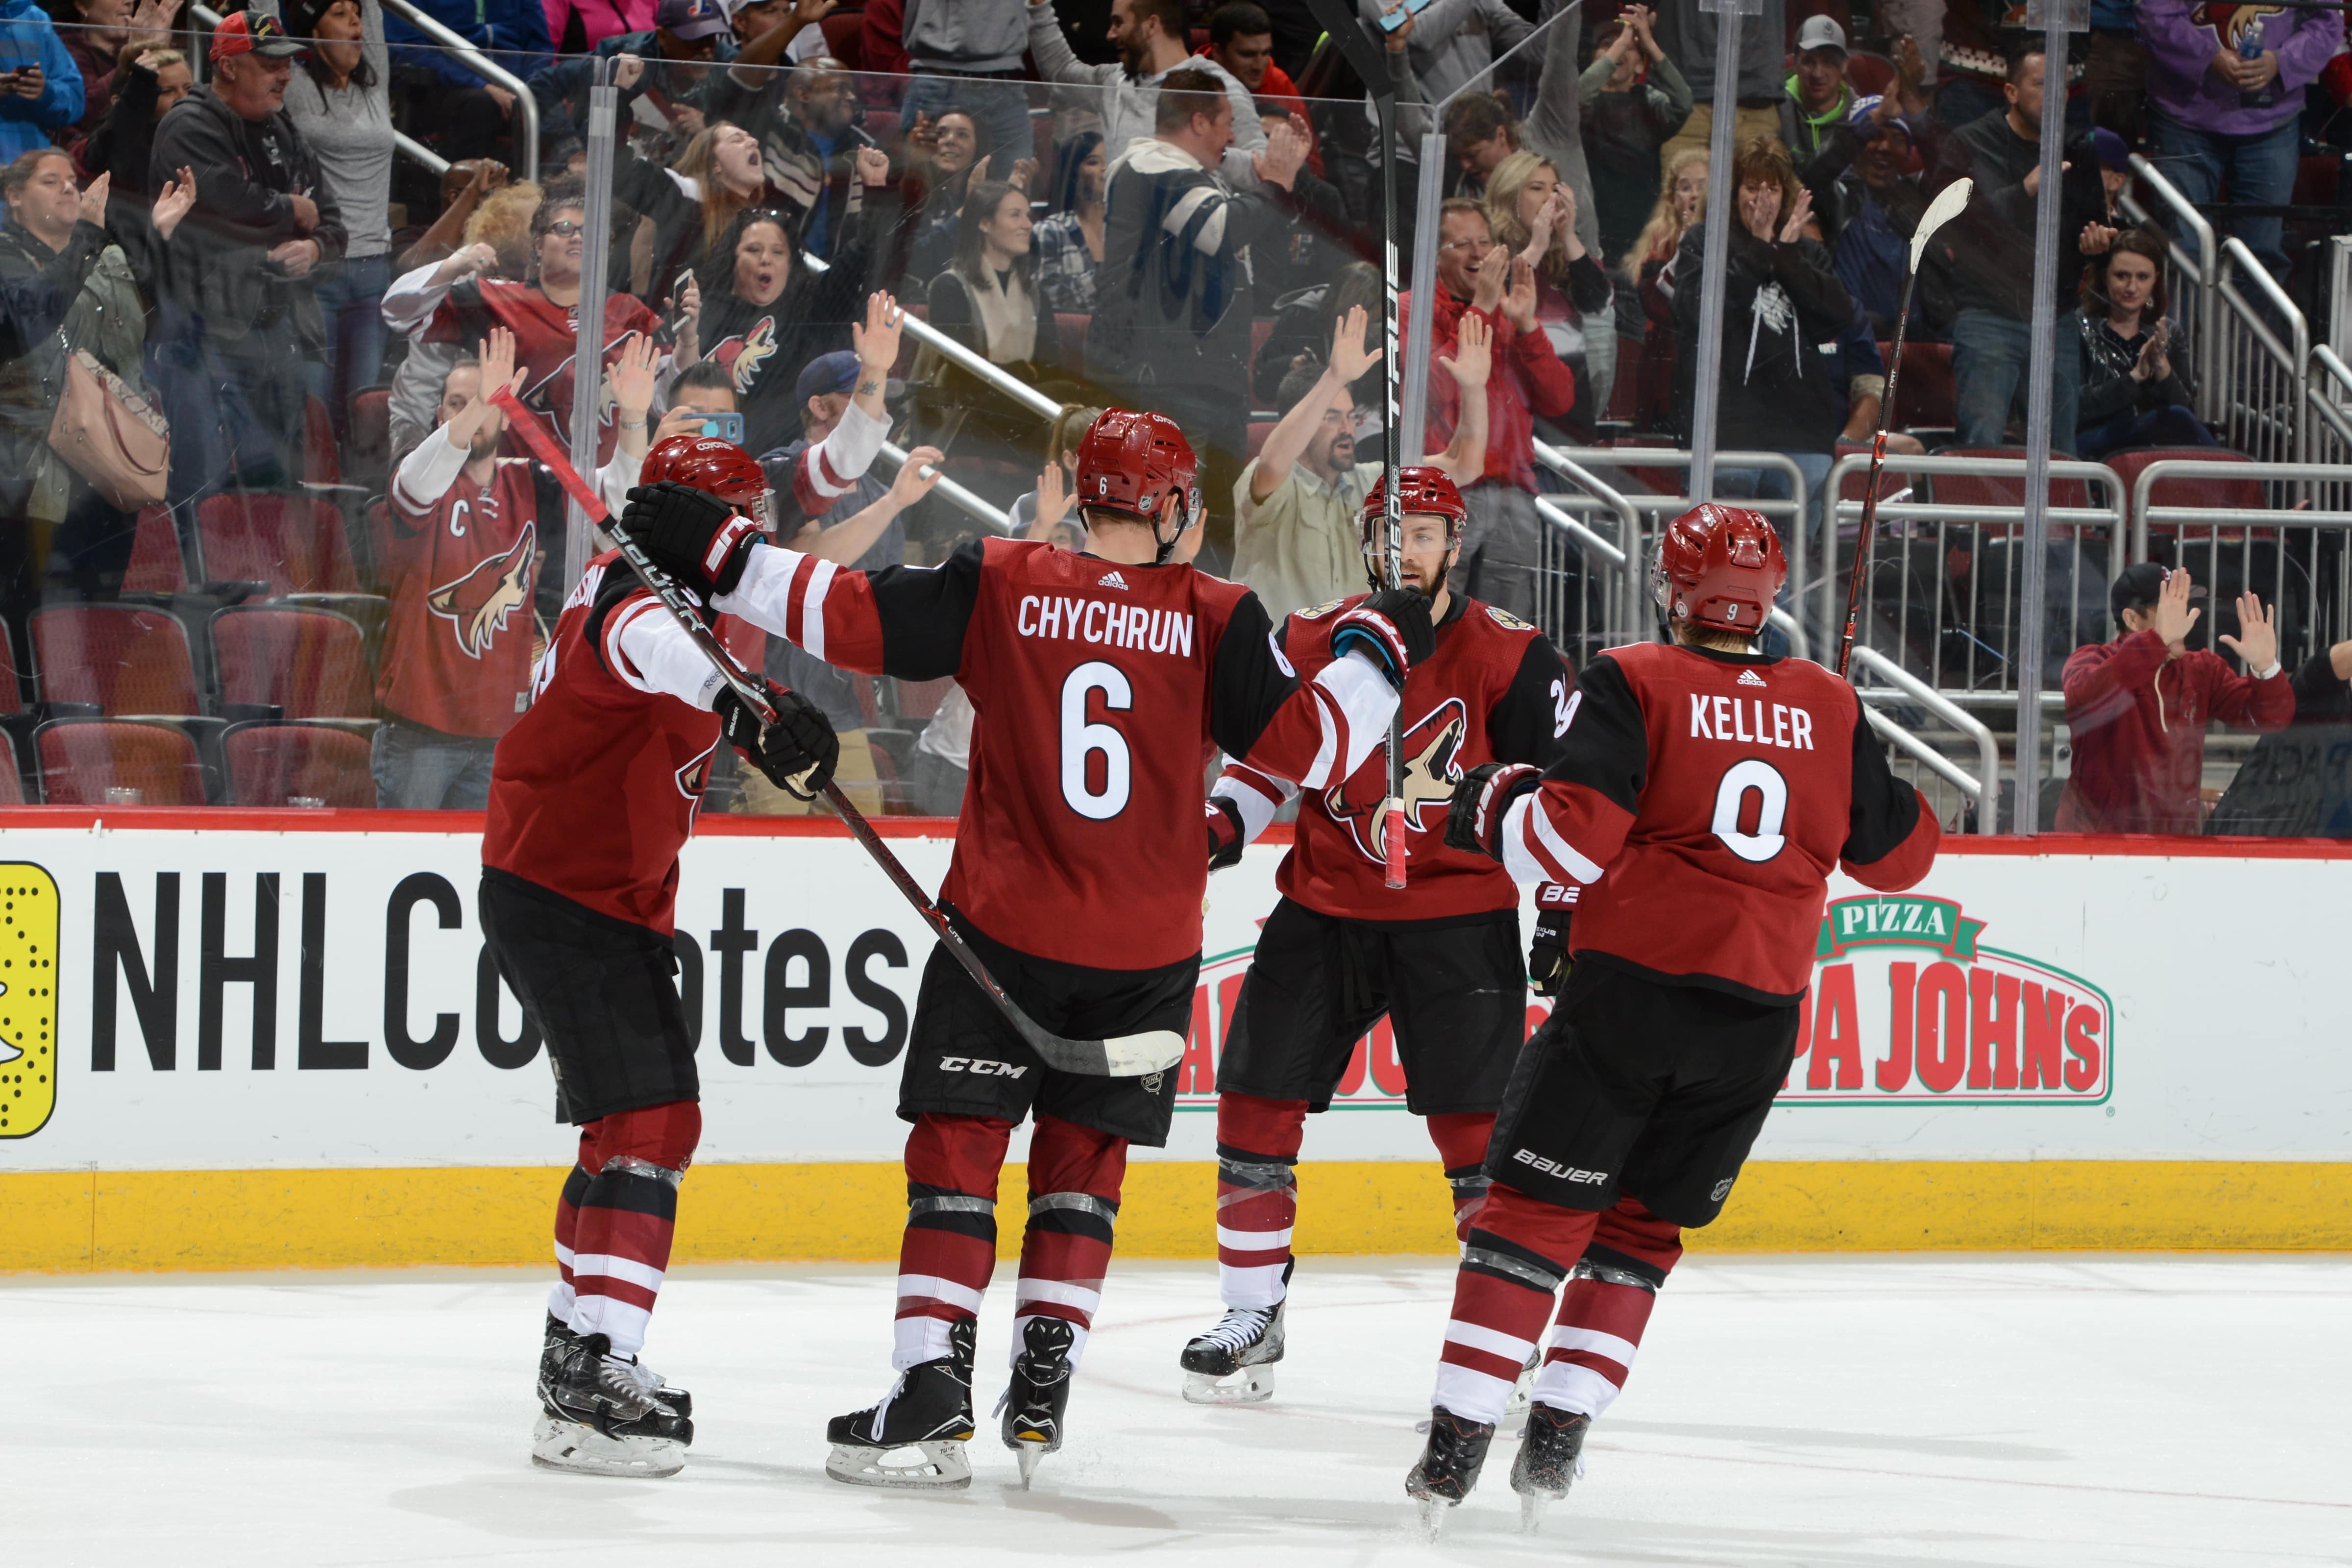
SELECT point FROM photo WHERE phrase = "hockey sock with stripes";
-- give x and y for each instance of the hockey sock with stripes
(949, 1249)
(1258, 1196)
(1461, 1140)
(1589, 1350)
(1502, 1296)
(627, 1217)
(1074, 1175)
(560, 1295)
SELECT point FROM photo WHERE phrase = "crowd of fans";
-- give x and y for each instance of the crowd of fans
(1145, 204)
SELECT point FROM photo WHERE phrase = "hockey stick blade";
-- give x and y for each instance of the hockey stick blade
(1941, 211)
(1127, 1056)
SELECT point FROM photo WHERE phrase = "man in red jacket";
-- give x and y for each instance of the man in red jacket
(2138, 706)
(1500, 555)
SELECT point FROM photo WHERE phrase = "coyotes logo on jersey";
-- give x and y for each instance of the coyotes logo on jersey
(1432, 747)
(479, 604)
(2230, 22)
(745, 354)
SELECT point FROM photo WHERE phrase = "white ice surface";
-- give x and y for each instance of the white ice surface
(1849, 1413)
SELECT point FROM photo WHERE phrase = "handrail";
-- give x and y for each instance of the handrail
(2206, 469)
(978, 507)
(2323, 358)
(1628, 524)
(1986, 786)
(418, 153)
(2185, 213)
(931, 337)
(526, 137)
(2234, 249)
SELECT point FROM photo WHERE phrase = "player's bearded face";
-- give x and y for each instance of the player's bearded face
(1425, 560)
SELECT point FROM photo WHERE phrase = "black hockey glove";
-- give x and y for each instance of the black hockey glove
(1226, 834)
(695, 538)
(1474, 821)
(1548, 961)
(797, 752)
(1392, 626)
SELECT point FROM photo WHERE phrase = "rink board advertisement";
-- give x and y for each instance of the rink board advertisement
(283, 996)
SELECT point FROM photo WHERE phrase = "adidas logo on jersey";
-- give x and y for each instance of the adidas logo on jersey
(1111, 580)
(1750, 677)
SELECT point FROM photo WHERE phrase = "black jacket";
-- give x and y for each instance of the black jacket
(37, 286)
(1983, 260)
(2298, 782)
(2109, 360)
(247, 177)
(1781, 303)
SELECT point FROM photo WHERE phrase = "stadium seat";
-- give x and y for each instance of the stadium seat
(1261, 333)
(81, 759)
(2222, 495)
(277, 764)
(293, 543)
(156, 564)
(308, 664)
(12, 697)
(1073, 325)
(371, 444)
(12, 782)
(1869, 73)
(1924, 396)
(115, 659)
(1259, 430)
(842, 39)
(2001, 488)
(1624, 387)
(322, 459)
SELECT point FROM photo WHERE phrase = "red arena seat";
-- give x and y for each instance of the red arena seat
(278, 764)
(118, 659)
(291, 542)
(312, 664)
(81, 760)
(1925, 398)
(156, 565)
(2221, 495)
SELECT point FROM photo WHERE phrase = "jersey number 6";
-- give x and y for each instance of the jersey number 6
(1081, 739)
(1771, 811)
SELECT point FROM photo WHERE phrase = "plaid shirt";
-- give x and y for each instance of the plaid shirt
(1065, 273)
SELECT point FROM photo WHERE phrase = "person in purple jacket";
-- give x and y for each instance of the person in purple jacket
(2225, 90)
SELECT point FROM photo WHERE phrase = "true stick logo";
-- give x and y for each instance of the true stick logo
(1908, 1004)
(28, 998)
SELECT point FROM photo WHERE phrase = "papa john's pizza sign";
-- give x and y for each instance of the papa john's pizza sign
(1907, 1005)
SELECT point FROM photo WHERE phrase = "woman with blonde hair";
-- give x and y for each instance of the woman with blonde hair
(1649, 266)
(1531, 213)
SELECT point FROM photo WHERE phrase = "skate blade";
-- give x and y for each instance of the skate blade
(1250, 1385)
(1027, 1454)
(1531, 1511)
(941, 1466)
(558, 1444)
(1435, 1512)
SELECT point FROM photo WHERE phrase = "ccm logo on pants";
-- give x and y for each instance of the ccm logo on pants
(981, 1065)
(1565, 1173)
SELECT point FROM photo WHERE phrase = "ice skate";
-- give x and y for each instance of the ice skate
(603, 1415)
(1039, 1394)
(1551, 1458)
(1233, 1364)
(559, 1336)
(1449, 1467)
(914, 1437)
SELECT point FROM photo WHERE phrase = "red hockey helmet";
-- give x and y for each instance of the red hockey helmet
(1718, 566)
(713, 467)
(1133, 463)
(1424, 492)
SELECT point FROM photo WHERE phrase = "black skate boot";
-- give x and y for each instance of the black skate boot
(1039, 1394)
(559, 1336)
(1550, 1456)
(602, 1416)
(926, 1411)
(1233, 1364)
(1449, 1466)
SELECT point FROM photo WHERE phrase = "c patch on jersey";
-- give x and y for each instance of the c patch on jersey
(1431, 771)
(477, 606)
(1508, 621)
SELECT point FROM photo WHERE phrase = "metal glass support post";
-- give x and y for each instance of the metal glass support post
(1708, 375)
(588, 344)
(2057, 18)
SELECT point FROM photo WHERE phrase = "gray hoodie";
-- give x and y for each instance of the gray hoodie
(969, 35)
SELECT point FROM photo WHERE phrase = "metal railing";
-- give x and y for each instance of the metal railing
(526, 108)
(2327, 390)
(1984, 785)
(1606, 576)
(2262, 373)
(2189, 277)
(2298, 560)
(1954, 569)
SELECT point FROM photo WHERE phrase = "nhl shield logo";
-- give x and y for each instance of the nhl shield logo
(1720, 1191)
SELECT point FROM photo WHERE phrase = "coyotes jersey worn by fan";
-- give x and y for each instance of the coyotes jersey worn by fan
(1495, 690)
(546, 340)
(1718, 791)
(457, 649)
(1099, 689)
(593, 791)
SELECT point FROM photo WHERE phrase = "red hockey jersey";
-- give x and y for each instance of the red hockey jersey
(1100, 689)
(545, 345)
(1495, 690)
(1717, 792)
(593, 791)
(456, 647)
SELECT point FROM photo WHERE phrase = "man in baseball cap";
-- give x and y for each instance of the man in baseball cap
(251, 33)
(690, 21)
(1817, 100)
(2137, 707)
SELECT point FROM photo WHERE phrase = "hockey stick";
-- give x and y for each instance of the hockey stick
(1941, 211)
(1124, 1055)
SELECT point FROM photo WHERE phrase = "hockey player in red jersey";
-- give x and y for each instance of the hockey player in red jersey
(1703, 795)
(1440, 958)
(592, 793)
(1101, 680)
